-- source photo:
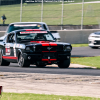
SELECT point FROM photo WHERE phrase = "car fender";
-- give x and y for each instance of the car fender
(19, 52)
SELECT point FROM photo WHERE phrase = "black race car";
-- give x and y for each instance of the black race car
(34, 46)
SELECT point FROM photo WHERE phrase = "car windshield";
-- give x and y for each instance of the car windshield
(34, 36)
(25, 26)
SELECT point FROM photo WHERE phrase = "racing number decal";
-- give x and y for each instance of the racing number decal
(7, 50)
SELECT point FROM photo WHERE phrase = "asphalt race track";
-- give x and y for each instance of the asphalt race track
(76, 52)
(85, 52)
(74, 81)
(50, 70)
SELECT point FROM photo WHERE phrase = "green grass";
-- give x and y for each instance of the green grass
(88, 61)
(30, 96)
(52, 13)
(79, 45)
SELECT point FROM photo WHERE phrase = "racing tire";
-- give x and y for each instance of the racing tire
(3, 62)
(22, 62)
(64, 64)
(94, 47)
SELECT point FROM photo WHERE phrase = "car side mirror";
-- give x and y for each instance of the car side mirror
(57, 39)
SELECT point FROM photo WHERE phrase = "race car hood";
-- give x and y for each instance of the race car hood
(48, 46)
(47, 43)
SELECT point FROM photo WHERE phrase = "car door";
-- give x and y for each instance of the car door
(9, 47)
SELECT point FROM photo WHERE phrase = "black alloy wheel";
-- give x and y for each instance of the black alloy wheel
(22, 62)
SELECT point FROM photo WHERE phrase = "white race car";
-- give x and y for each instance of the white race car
(94, 40)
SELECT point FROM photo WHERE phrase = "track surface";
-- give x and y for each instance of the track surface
(76, 52)
(85, 52)
(73, 81)
(50, 70)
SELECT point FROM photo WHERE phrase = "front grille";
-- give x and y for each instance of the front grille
(60, 48)
(52, 55)
(96, 42)
(49, 48)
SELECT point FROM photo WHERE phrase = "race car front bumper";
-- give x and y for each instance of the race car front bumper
(46, 57)
(94, 42)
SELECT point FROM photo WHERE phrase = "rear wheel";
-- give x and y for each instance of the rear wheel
(22, 62)
(3, 62)
(64, 64)
(94, 47)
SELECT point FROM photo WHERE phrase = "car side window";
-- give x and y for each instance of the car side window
(10, 28)
(11, 38)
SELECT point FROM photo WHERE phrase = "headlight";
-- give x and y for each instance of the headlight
(28, 48)
(66, 48)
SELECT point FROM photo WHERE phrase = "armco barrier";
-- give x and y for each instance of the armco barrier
(2, 33)
(72, 36)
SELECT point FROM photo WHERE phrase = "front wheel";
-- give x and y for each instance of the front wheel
(22, 62)
(64, 64)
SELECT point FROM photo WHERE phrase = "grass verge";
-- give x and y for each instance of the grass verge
(30, 96)
(79, 45)
(31, 12)
(88, 61)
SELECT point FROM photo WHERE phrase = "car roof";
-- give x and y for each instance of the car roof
(27, 23)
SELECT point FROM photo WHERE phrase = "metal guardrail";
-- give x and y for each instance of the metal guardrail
(72, 36)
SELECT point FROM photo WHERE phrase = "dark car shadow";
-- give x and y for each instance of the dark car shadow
(56, 67)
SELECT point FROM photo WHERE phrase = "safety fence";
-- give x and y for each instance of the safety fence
(52, 12)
